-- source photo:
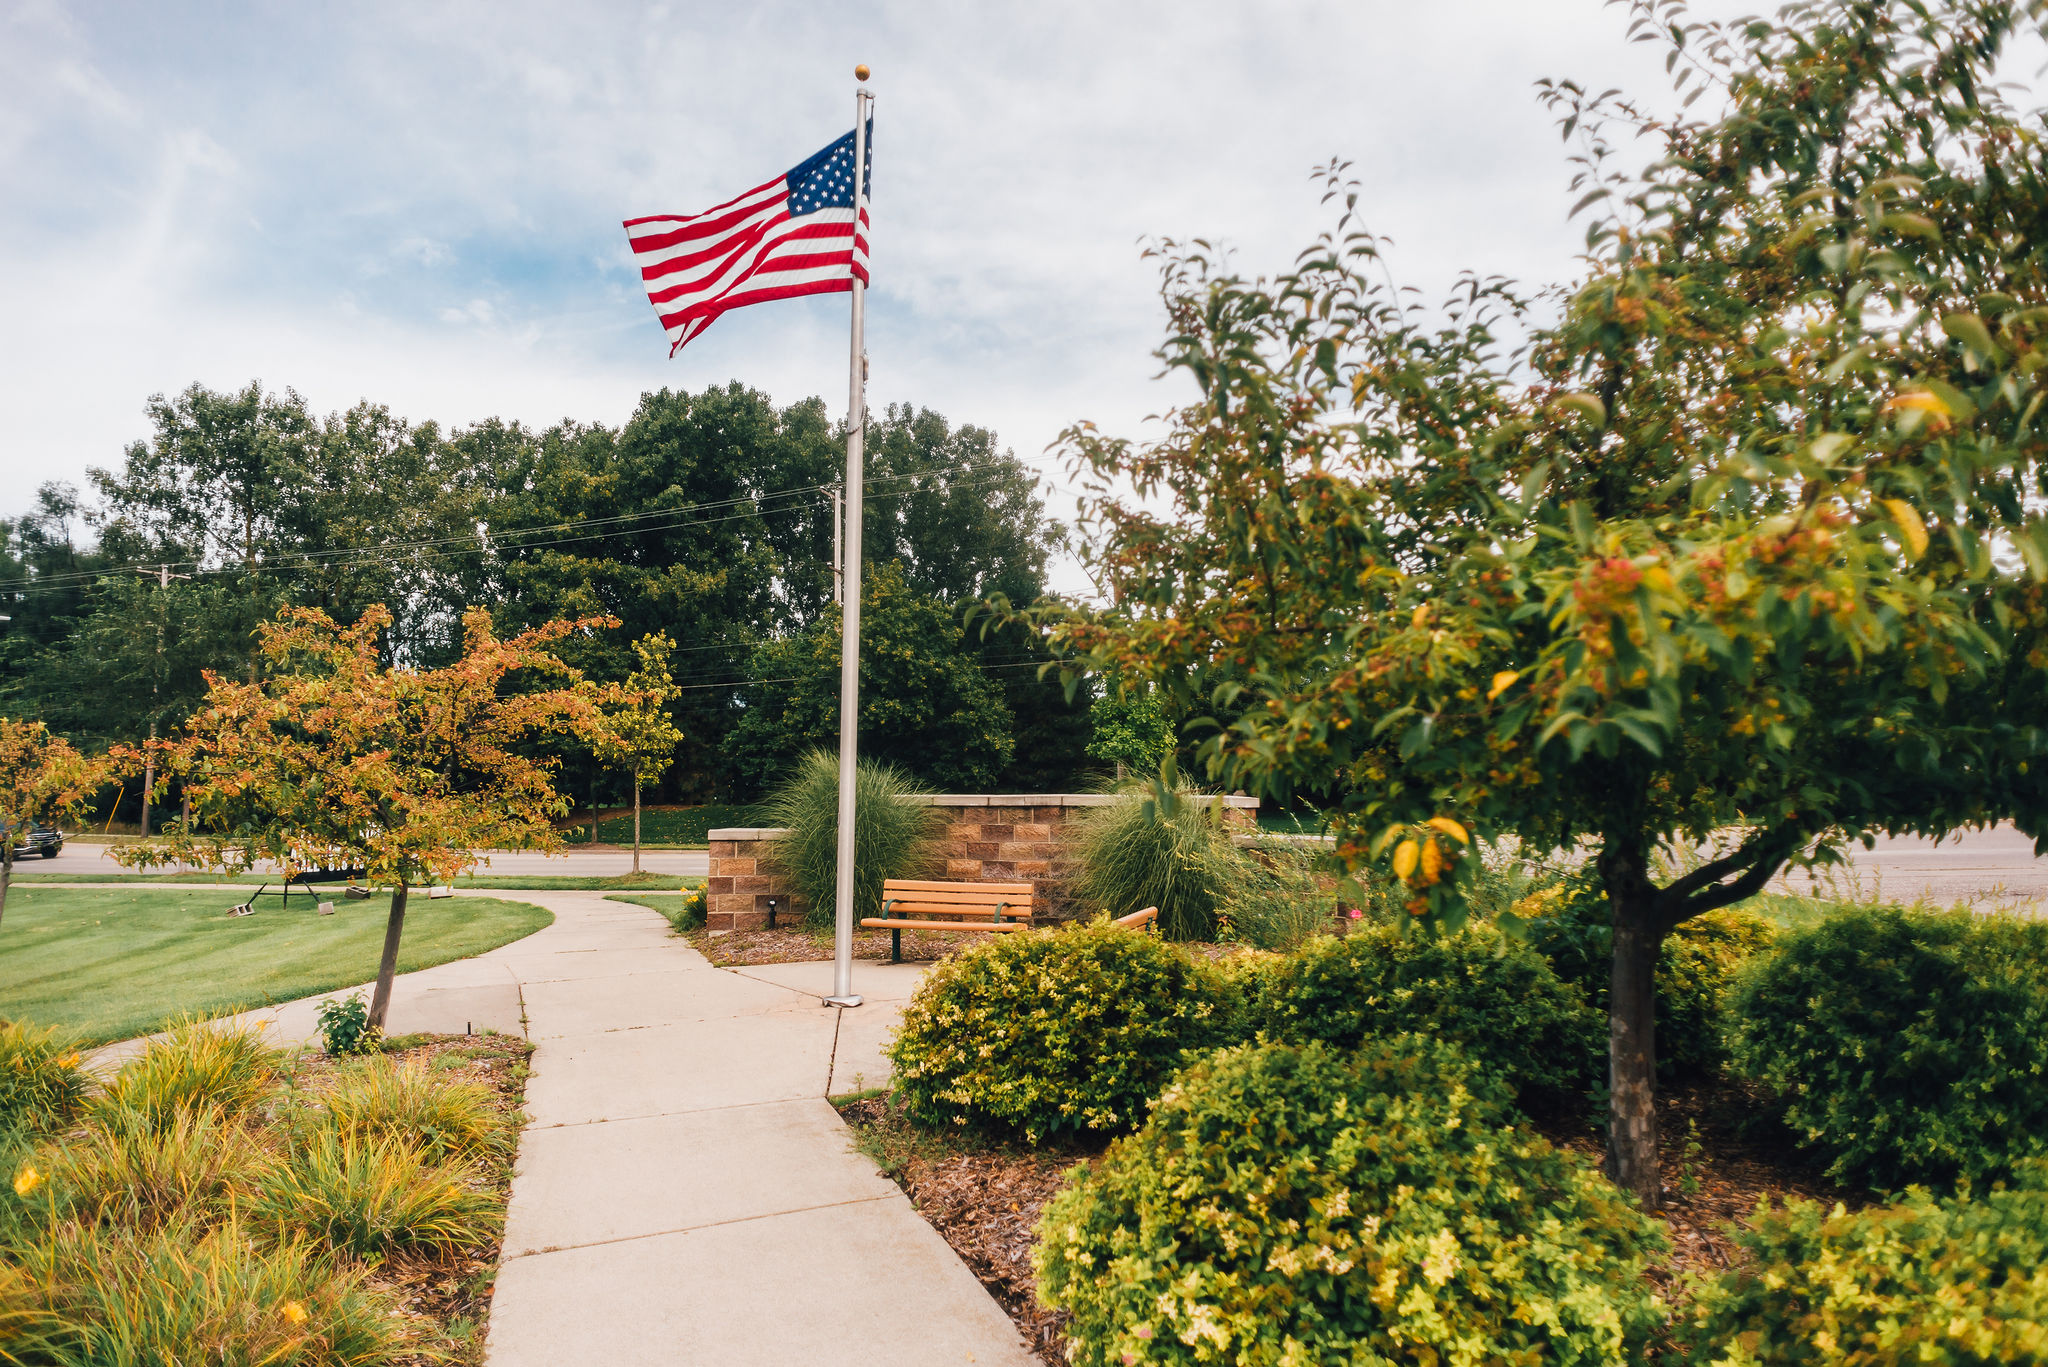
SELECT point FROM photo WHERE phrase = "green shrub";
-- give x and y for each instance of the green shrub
(1291, 1206)
(345, 1027)
(443, 1119)
(1177, 856)
(892, 838)
(199, 1064)
(1904, 1046)
(1570, 923)
(1048, 1032)
(101, 1297)
(41, 1083)
(1490, 994)
(371, 1197)
(1959, 1281)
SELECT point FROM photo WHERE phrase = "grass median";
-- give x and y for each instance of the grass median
(111, 963)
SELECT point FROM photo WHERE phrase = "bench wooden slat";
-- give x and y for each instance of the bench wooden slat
(898, 907)
(1015, 899)
(913, 885)
(879, 923)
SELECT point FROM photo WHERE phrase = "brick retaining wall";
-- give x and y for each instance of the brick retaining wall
(1001, 838)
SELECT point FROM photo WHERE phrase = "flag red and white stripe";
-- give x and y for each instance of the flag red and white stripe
(792, 236)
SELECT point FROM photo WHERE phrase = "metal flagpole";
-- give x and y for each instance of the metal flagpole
(850, 587)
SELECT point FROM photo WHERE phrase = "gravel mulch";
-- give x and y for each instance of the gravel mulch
(453, 1292)
(739, 948)
(1721, 1156)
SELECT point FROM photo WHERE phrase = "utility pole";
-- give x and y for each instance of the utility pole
(156, 678)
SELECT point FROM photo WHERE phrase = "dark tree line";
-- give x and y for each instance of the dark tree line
(705, 515)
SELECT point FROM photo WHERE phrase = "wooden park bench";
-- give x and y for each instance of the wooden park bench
(303, 881)
(987, 907)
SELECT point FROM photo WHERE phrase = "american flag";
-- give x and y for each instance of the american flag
(794, 235)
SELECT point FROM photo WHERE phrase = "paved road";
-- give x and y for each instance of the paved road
(84, 857)
(1996, 866)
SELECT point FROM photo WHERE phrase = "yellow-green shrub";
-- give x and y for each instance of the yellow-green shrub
(1905, 1046)
(1044, 1032)
(1288, 1206)
(41, 1083)
(1492, 995)
(1960, 1281)
(123, 1169)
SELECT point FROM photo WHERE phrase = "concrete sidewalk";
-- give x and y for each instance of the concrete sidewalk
(684, 1193)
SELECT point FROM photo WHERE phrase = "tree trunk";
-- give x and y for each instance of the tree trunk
(6, 870)
(636, 823)
(394, 927)
(1632, 1057)
(148, 778)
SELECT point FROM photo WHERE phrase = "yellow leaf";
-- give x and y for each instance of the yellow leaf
(1450, 828)
(1405, 858)
(1923, 401)
(1432, 861)
(1502, 682)
(27, 1180)
(1910, 526)
(1587, 406)
(293, 1311)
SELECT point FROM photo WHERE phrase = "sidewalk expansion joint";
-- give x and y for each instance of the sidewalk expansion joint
(709, 1224)
(690, 1110)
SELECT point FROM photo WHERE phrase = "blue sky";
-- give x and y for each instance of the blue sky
(419, 203)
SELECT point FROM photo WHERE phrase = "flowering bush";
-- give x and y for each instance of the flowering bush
(1903, 1045)
(1073, 1030)
(1571, 925)
(1948, 1281)
(1289, 1206)
(1492, 995)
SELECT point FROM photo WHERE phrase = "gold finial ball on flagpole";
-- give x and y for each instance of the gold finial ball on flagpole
(860, 73)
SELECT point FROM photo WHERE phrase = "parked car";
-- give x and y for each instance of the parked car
(38, 839)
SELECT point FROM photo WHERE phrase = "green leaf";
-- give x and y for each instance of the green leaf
(1969, 329)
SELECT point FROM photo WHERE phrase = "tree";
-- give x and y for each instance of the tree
(1131, 729)
(925, 705)
(42, 778)
(333, 759)
(640, 736)
(1735, 542)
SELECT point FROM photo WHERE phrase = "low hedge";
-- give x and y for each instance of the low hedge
(1290, 1205)
(1924, 1281)
(1071, 1031)
(1904, 1046)
(1489, 993)
(1571, 925)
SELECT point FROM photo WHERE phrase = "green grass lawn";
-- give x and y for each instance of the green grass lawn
(111, 963)
(332, 891)
(683, 826)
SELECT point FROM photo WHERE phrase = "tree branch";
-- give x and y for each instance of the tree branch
(1702, 890)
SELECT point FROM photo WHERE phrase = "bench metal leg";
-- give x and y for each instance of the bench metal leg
(895, 946)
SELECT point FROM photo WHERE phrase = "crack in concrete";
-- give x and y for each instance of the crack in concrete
(709, 1224)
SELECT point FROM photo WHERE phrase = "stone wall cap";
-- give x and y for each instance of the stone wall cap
(746, 833)
(1237, 800)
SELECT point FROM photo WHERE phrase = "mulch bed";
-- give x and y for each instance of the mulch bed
(739, 948)
(1721, 1155)
(453, 1292)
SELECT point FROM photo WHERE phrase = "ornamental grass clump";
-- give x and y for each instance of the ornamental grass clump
(126, 1170)
(373, 1197)
(1044, 1033)
(1491, 994)
(892, 837)
(1904, 1046)
(440, 1117)
(186, 1294)
(1153, 847)
(42, 1085)
(1304, 1205)
(1962, 1280)
(200, 1064)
